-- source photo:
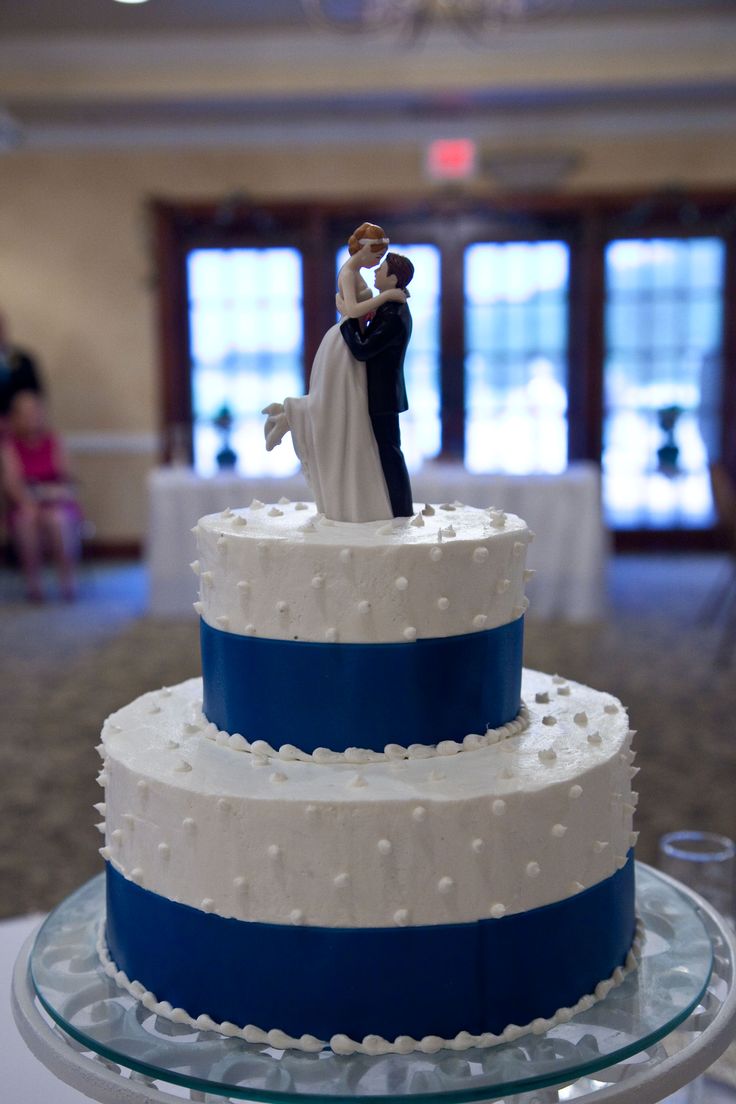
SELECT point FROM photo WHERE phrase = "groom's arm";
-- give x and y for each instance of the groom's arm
(385, 330)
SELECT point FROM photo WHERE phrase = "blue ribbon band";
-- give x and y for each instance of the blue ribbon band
(361, 695)
(429, 980)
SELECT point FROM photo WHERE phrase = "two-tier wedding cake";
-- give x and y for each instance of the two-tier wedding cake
(366, 827)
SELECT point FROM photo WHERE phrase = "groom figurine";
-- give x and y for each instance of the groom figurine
(382, 346)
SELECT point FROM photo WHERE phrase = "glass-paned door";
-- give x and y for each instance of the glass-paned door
(246, 350)
(661, 427)
(420, 425)
(516, 322)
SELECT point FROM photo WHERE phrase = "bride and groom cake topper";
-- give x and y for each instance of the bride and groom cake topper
(345, 431)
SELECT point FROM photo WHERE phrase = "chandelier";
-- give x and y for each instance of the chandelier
(414, 17)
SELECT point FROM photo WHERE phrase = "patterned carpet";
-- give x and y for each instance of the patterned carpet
(65, 667)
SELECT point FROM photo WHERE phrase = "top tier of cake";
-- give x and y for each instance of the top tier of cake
(286, 573)
(320, 634)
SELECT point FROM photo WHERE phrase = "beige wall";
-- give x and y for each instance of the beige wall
(76, 273)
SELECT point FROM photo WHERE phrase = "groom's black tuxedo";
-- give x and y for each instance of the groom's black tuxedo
(383, 347)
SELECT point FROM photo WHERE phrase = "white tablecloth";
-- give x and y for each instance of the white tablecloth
(564, 511)
(23, 1079)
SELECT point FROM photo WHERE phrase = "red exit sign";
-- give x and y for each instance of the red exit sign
(451, 158)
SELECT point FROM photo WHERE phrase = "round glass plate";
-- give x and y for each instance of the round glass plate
(673, 976)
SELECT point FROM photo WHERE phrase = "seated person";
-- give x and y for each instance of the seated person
(43, 512)
(18, 372)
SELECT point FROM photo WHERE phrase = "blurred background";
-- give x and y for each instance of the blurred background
(178, 181)
(177, 184)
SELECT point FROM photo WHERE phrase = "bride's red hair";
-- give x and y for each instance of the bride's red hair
(367, 230)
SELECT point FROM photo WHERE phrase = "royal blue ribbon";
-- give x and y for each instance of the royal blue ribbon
(361, 695)
(429, 980)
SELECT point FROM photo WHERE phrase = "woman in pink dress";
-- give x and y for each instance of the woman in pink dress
(43, 512)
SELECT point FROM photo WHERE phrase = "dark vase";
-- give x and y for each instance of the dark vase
(227, 457)
(668, 453)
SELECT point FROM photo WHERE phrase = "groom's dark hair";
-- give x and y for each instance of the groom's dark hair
(400, 267)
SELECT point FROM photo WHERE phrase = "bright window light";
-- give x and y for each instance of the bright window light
(246, 350)
(661, 424)
(516, 356)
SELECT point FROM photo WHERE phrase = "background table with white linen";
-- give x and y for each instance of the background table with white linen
(568, 554)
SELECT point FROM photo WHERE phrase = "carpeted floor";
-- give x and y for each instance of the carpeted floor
(65, 667)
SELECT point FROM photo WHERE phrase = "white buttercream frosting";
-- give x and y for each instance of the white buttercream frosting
(510, 827)
(290, 574)
(288, 752)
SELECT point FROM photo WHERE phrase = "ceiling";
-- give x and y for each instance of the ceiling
(106, 16)
(40, 17)
(92, 73)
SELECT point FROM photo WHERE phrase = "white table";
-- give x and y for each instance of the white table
(564, 511)
(23, 1080)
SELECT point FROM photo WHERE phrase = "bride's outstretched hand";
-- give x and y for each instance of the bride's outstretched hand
(393, 295)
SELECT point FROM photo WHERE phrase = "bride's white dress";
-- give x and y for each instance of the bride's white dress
(333, 437)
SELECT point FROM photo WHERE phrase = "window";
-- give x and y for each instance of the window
(516, 356)
(420, 425)
(547, 330)
(246, 350)
(663, 324)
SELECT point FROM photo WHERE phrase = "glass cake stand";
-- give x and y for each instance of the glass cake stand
(663, 1026)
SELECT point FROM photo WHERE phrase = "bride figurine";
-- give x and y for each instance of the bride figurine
(332, 427)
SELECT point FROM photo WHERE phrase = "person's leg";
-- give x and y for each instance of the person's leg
(26, 534)
(61, 528)
(388, 438)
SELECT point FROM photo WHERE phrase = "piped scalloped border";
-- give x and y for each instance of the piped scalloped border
(289, 753)
(372, 1044)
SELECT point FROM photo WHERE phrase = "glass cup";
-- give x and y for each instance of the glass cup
(706, 863)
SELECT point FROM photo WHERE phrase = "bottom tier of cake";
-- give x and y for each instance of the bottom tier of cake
(412, 900)
(376, 989)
